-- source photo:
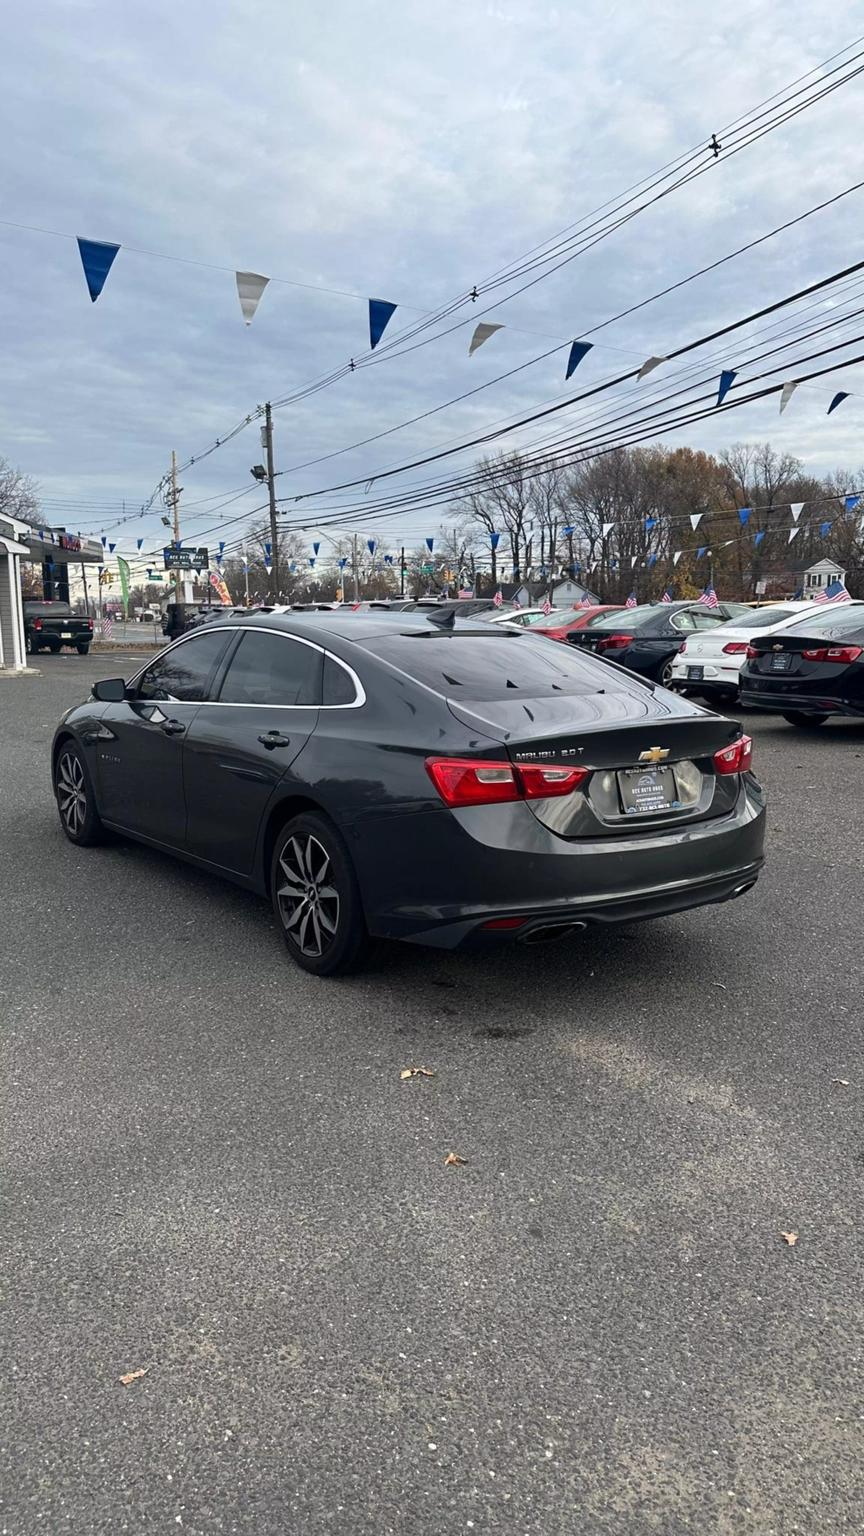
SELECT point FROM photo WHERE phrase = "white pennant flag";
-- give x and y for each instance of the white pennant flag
(481, 334)
(633, 559)
(695, 519)
(796, 508)
(607, 529)
(649, 365)
(250, 286)
(792, 533)
(677, 556)
(786, 394)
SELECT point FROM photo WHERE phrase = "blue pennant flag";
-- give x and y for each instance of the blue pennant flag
(140, 543)
(342, 563)
(842, 394)
(650, 522)
(429, 544)
(221, 546)
(851, 502)
(316, 547)
(493, 539)
(744, 516)
(577, 352)
(388, 559)
(568, 532)
(613, 565)
(104, 541)
(268, 549)
(726, 377)
(97, 257)
(111, 548)
(757, 538)
(379, 314)
(42, 537)
(702, 550)
(824, 529)
(312, 561)
(652, 560)
(370, 545)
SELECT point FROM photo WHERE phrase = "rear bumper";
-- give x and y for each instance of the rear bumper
(437, 878)
(715, 678)
(776, 702)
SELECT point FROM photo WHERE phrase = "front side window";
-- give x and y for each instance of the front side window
(270, 668)
(183, 673)
(683, 621)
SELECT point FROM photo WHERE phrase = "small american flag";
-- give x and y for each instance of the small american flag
(354, 607)
(667, 596)
(515, 603)
(632, 601)
(835, 592)
(547, 606)
(498, 599)
(709, 597)
(107, 627)
(586, 603)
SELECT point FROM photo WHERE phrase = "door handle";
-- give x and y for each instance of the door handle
(274, 739)
(173, 728)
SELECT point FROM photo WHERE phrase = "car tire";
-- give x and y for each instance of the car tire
(76, 801)
(804, 721)
(316, 897)
(83, 650)
(664, 675)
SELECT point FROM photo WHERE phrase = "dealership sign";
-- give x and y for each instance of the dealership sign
(186, 559)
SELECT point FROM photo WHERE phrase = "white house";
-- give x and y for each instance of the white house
(813, 579)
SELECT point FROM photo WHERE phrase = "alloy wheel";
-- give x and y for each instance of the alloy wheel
(308, 900)
(71, 793)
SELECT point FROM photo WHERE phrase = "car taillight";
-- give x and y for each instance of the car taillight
(613, 642)
(89, 623)
(475, 781)
(752, 653)
(737, 648)
(735, 759)
(842, 653)
(37, 623)
(682, 647)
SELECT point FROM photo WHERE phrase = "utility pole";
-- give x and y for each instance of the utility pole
(175, 502)
(271, 487)
(86, 594)
(402, 571)
(246, 572)
(356, 578)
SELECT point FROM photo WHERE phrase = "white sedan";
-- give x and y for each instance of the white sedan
(709, 662)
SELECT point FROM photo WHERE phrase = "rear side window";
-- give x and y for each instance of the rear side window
(338, 684)
(708, 618)
(505, 665)
(184, 672)
(272, 669)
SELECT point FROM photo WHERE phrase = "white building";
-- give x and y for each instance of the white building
(815, 578)
(12, 654)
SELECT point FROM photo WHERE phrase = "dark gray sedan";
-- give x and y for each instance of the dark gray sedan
(385, 775)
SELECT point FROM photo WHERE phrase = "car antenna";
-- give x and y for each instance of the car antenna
(442, 620)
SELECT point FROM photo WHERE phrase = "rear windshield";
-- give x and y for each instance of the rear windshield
(760, 618)
(829, 623)
(501, 665)
(47, 610)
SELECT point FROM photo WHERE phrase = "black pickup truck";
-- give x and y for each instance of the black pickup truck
(50, 626)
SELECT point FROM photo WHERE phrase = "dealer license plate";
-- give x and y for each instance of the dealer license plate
(66, 634)
(644, 790)
(781, 663)
(695, 674)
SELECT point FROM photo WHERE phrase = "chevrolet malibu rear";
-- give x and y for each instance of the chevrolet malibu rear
(542, 792)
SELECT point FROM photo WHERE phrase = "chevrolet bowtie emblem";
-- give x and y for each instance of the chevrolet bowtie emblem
(654, 755)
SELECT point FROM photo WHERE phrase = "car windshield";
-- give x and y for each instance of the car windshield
(47, 610)
(502, 664)
(828, 622)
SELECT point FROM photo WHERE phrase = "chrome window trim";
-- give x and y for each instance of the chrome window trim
(258, 629)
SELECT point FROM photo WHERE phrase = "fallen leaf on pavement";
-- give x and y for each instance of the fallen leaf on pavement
(416, 1072)
(721, 984)
(843, 1081)
(789, 1238)
(131, 1376)
(453, 1160)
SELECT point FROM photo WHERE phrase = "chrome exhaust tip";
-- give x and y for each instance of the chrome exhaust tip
(550, 933)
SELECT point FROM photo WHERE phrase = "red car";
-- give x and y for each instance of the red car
(559, 625)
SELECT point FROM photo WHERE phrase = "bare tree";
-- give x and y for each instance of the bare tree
(18, 493)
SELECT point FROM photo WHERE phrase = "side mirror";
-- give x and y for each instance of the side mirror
(111, 690)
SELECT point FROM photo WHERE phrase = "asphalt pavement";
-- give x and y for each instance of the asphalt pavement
(213, 1173)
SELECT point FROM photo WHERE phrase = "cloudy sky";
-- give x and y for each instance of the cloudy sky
(404, 151)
